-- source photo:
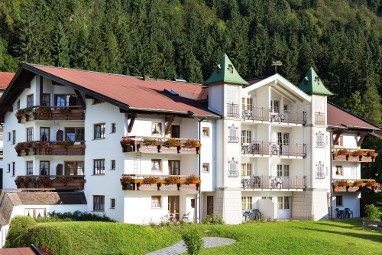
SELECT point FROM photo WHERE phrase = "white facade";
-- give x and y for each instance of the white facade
(270, 151)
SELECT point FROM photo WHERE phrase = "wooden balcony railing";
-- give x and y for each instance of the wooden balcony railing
(146, 144)
(269, 148)
(273, 182)
(50, 113)
(233, 110)
(354, 185)
(160, 182)
(57, 182)
(50, 148)
(355, 155)
(265, 114)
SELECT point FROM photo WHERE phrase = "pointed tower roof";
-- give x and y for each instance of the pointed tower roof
(311, 84)
(225, 72)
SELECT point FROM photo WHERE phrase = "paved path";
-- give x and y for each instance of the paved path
(180, 247)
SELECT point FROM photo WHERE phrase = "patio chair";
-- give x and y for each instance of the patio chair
(348, 213)
(339, 213)
(256, 214)
(186, 216)
(278, 182)
(256, 181)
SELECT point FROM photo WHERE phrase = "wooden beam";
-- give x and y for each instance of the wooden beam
(169, 120)
(362, 136)
(25, 85)
(80, 99)
(338, 134)
(132, 118)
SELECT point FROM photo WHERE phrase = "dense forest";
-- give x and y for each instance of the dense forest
(341, 39)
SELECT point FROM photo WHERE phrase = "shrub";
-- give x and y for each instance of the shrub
(57, 240)
(213, 220)
(76, 216)
(372, 212)
(18, 226)
(193, 240)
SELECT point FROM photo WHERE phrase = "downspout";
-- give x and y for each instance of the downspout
(199, 173)
(331, 175)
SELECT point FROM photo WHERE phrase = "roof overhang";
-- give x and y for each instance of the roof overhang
(281, 86)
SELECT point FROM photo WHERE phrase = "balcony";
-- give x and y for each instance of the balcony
(354, 185)
(233, 110)
(265, 114)
(354, 155)
(160, 145)
(50, 148)
(160, 182)
(50, 113)
(57, 182)
(274, 149)
(273, 182)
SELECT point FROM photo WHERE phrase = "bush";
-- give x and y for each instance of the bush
(213, 220)
(75, 216)
(19, 225)
(372, 212)
(57, 240)
(193, 240)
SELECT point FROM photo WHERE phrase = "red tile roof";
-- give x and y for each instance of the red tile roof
(5, 79)
(136, 92)
(338, 117)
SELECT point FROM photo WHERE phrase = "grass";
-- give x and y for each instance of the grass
(300, 237)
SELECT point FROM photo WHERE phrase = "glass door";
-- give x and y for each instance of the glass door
(173, 207)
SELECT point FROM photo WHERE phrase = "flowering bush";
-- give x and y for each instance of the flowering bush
(192, 143)
(356, 153)
(126, 178)
(171, 142)
(19, 147)
(149, 180)
(171, 180)
(127, 141)
(343, 183)
(150, 142)
(191, 179)
(371, 153)
(343, 152)
(358, 183)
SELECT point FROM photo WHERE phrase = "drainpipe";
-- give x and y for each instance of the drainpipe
(331, 174)
(199, 172)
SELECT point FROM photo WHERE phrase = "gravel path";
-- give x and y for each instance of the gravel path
(180, 247)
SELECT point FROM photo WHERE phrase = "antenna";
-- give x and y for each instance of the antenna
(276, 64)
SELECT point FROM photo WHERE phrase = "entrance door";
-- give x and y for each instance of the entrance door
(174, 167)
(175, 131)
(210, 205)
(173, 207)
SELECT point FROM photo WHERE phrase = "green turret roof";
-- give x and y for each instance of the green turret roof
(225, 72)
(311, 84)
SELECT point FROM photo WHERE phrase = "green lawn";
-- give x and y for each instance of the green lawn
(300, 237)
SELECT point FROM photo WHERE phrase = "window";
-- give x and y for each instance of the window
(74, 168)
(339, 170)
(9, 136)
(206, 167)
(99, 131)
(29, 134)
(65, 100)
(156, 165)
(193, 202)
(156, 202)
(283, 203)
(246, 169)
(30, 100)
(9, 168)
(320, 170)
(246, 104)
(44, 168)
(18, 104)
(99, 167)
(75, 134)
(29, 167)
(45, 100)
(246, 136)
(275, 106)
(44, 134)
(233, 138)
(112, 203)
(13, 168)
(112, 164)
(339, 201)
(282, 170)
(156, 128)
(174, 167)
(232, 168)
(246, 203)
(13, 136)
(113, 128)
(320, 140)
(99, 203)
(270, 198)
(206, 132)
